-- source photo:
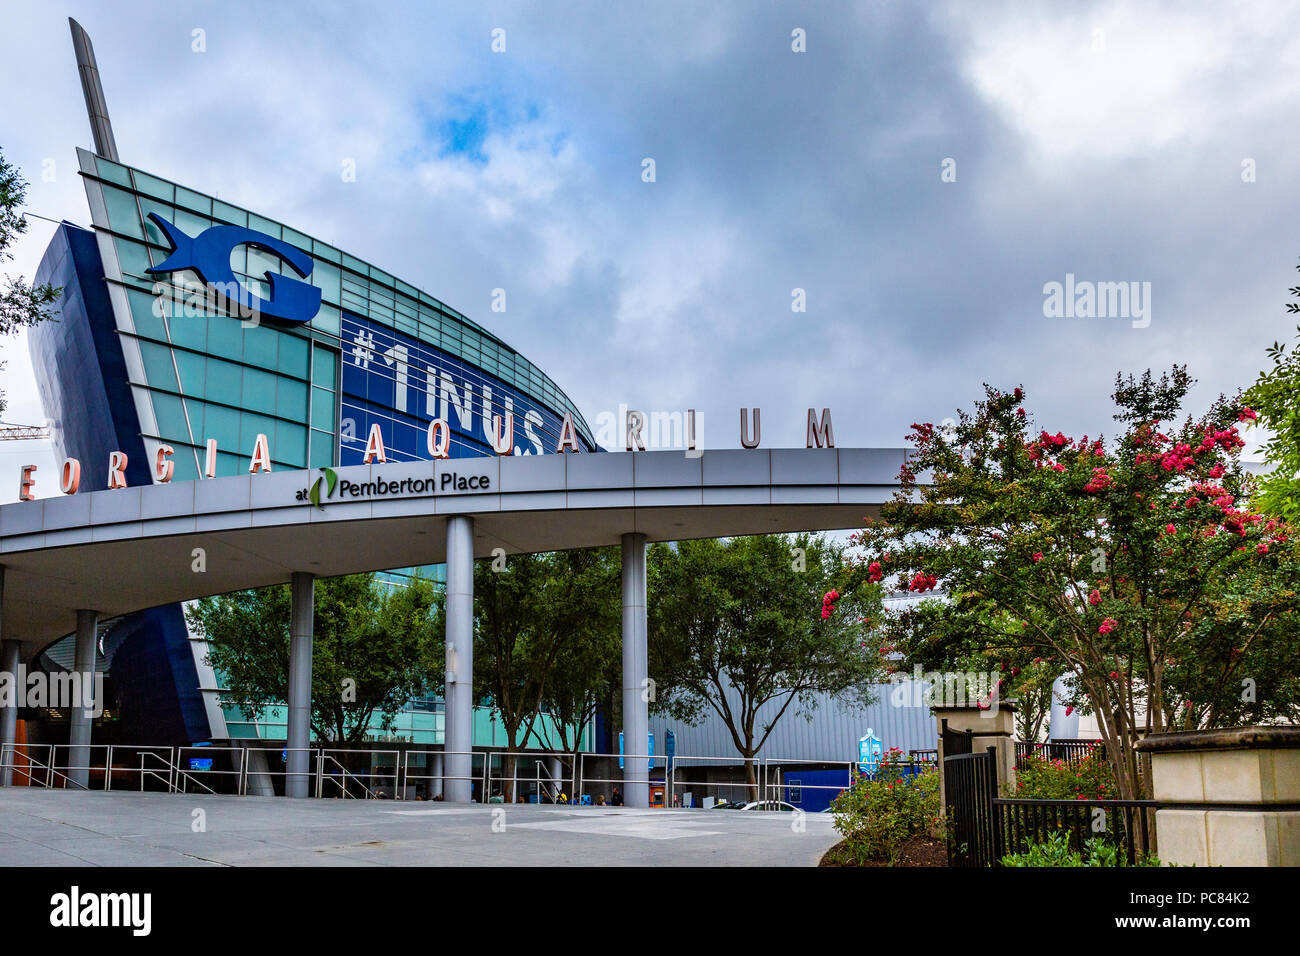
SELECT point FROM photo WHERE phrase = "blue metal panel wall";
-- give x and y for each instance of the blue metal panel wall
(831, 734)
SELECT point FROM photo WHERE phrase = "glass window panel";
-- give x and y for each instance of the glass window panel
(261, 262)
(112, 171)
(323, 251)
(260, 345)
(327, 278)
(154, 187)
(289, 444)
(193, 201)
(188, 331)
(133, 259)
(187, 468)
(327, 320)
(322, 449)
(190, 223)
(123, 214)
(171, 418)
(258, 391)
(230, 465)
(290, 399)
(355, 264)
(229, 213)
(323, 368)
(147, 322)
(322, 409)
(294, 354)
(220, 423)
(193, 368)
(158, 370)
(250, 426)
(225, 337)
(267, 226)
(224, 380)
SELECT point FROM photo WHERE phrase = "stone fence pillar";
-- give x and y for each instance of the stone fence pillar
(1227, 797)
(988, 728)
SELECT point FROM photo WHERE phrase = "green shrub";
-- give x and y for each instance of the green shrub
(1056, 850)
(1038, 778)
(878, 814)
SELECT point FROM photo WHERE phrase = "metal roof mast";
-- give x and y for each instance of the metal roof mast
(96, 106)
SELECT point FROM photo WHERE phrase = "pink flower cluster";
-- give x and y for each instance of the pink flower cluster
(1100, 481)
(923, 582)
(828, 603)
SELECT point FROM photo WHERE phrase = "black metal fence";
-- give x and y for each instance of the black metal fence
(970, 784)
(1127, 825)
(1069, 751)
(983, 827)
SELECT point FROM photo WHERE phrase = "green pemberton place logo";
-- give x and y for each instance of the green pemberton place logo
(330, 479)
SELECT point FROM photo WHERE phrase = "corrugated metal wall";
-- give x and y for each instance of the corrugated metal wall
(831, 734)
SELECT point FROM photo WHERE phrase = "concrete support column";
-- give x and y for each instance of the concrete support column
(9, 662)
(458, 728)
(302, 609)
(83, 668)
(636, 709)
(435, 785)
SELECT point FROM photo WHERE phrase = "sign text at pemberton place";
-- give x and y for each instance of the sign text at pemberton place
(451, 482)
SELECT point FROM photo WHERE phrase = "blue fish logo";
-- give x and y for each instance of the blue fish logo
(208, 254)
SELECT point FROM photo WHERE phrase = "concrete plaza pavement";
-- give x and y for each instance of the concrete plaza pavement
(72, 828)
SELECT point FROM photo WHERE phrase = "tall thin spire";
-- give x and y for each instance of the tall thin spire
(96, 107)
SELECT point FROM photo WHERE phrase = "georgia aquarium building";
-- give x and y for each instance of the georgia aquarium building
(311, 347)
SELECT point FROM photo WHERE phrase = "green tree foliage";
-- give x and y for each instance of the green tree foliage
(1130, 565)
(735, 626)
(21, 305)
(878, 814)
(375, 648)
(1275, 398)
(538, 612)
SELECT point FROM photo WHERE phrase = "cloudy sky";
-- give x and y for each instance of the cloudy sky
(1117, 142)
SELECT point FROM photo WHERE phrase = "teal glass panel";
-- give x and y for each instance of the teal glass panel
(324, 367)
(158, 370)
(289, 444)
(190, 223)
(322, 409)
(147, 322)
(225, 381)
(260, 345)
(327, 320)
(290, 399)
(171, 418)
(113, 172)
(187, 468)
(250, 426)
(229, 213)
(267, 226)
(258, 391)
(296, 238)
(225, 337)
(123, 214)
(193, 201)
(193, 368)
(327, 278)
(220, 423)
(151, 231)
(322, 251)
(232, 464)
(189, 331)
(355, 264)
(295, 355)
(322, 449)
(155, 187)
(133, 260)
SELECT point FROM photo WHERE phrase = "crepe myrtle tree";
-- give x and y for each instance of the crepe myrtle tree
(21, 305)
(1130, 564)
(750, 628)
(374, 649)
